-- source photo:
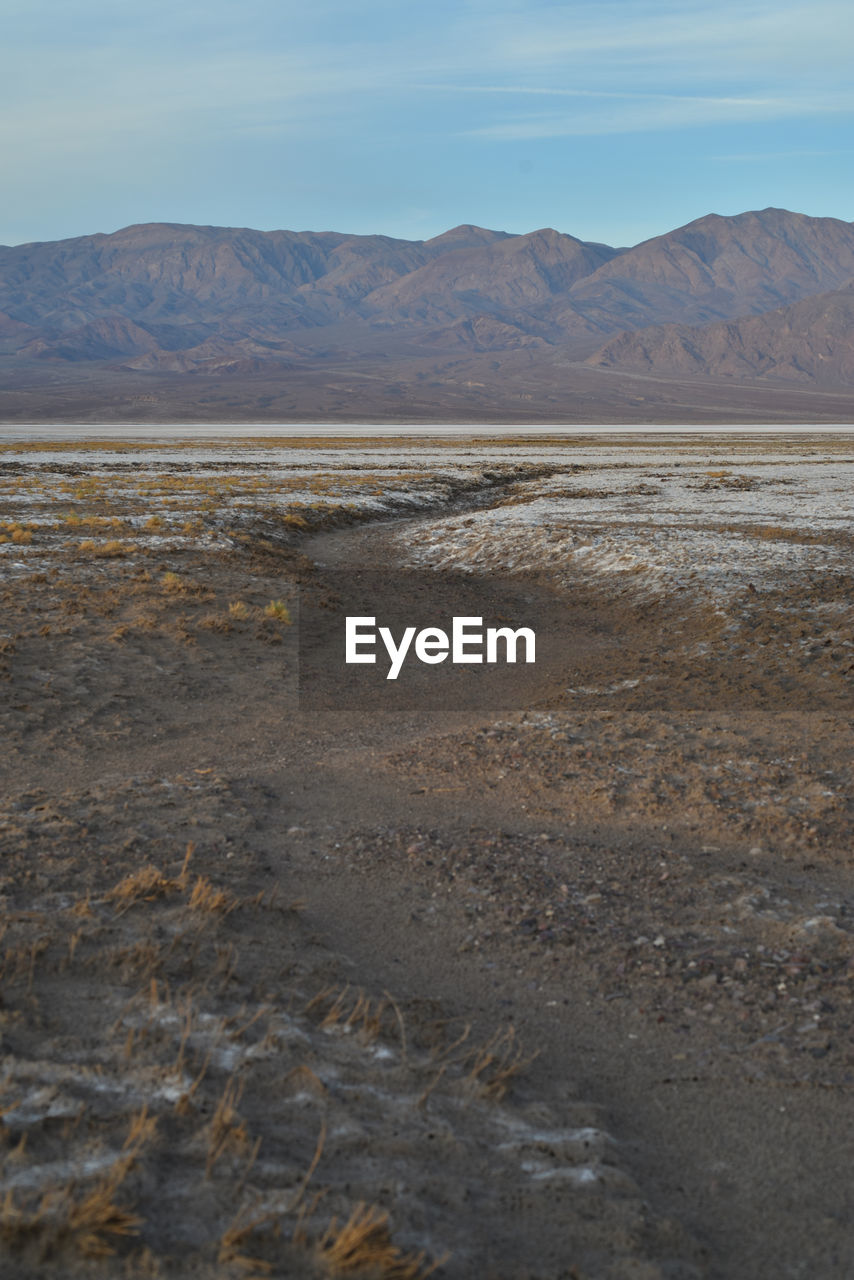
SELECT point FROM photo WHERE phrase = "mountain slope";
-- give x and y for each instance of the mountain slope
(507, 278)
(183, 274)
(720, 268)
(810, 341)
(168, 297)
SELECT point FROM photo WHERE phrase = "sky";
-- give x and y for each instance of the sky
(612, 120)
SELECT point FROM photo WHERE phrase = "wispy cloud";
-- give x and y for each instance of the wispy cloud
(720, 40)
(96, 93)
(100, 97)
(97, 66)
(598, 112)
(631, 67)
(801, 153)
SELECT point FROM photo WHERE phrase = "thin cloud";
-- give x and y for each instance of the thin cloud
(289, 67)
(100, 97)
(629, 95)
(648, 34)
(804, 153)
(161, 101)
(607, 113)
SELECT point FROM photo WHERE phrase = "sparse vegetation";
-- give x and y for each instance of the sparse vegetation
(20, 534)
(66, 1218)
(206, 897)
(363, 1246)
(178, 1009)
(279, 610)
(109, 550)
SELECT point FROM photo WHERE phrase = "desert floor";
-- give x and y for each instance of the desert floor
(545, 977)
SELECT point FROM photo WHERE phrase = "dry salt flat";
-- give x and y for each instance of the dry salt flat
(696, 513)
(657, 520)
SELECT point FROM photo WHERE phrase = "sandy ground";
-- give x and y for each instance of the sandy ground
(560, 989)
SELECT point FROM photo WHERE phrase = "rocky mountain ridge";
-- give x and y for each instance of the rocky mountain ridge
(758, 297)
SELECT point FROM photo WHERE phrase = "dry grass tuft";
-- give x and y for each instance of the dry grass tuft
(141, 959)
(207, 897)
(495, 1064)
(82, 908)
(110, 550)
(363, 1245)
(13, 531)
(87, 1224)
(351, 1010)
(233, 1244)
(227, 1132)
(148, 883)
(238, 610)
(173, 584)
(279, 610)
(142, 1130)
(91, 1220)
(20, 961)
(302, 1077)
(220, 622)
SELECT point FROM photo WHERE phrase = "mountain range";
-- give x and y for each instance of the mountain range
(471, 322)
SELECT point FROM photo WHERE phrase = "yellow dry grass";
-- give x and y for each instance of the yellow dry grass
(363, 1246)
(207, 897)
(279, 610)
(227, 1132)
(495, 1064)
(148, 883)
(218, 622)
(110, 550)
(12, 531)
(353, 1010)
(233, 1244)
(86, 1223)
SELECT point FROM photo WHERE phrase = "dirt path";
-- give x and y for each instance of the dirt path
(756, 1164)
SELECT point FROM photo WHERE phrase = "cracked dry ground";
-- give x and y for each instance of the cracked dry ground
(274, 980)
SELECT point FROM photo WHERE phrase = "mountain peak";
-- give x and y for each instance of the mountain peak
(465, 236)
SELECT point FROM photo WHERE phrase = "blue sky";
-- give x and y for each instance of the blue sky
(613, 120)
